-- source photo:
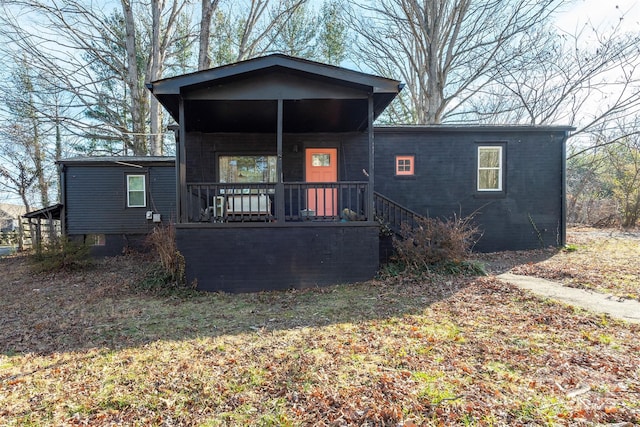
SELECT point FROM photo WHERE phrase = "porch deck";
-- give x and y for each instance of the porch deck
(245, 237)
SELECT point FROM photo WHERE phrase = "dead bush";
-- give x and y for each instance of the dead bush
(163, 242)
(436, 243)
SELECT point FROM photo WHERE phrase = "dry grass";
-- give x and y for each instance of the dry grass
(606, 261)
(89, 348)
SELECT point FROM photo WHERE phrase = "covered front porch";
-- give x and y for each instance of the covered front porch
(303, 201)
(275, 173)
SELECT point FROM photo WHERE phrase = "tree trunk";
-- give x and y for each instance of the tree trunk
(155, 112)
(204, 59)
(43, 184)
(58, 153)
(139, 145)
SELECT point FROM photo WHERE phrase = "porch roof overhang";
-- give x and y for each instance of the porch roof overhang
(49, 212)
(242, 97)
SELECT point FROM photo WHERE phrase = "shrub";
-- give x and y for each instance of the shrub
(9, 238)
(61, 254)
(163, 242)
(438, 244)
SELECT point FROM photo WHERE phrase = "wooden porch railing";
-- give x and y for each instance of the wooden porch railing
(303, 201)
(393, 214)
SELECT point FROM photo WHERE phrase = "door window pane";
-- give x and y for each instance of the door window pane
(321, 159)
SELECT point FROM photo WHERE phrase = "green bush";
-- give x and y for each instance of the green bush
(9, 238)
(441, 245)
(61, 254)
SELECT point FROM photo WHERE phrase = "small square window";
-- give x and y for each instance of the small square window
(95, 239)
(136, 191)
(405, 165)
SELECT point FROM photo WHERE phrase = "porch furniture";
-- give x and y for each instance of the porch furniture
(248, 204)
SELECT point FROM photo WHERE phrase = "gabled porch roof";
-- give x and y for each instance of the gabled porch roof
(242, 97)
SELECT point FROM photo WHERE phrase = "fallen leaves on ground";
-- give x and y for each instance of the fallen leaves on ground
(88, 348)
(606, 261)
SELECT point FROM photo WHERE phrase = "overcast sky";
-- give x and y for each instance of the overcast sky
(602, 14)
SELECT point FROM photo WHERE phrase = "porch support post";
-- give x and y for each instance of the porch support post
(279, 196)
(370, 204)
(563, 195)
(181, 173)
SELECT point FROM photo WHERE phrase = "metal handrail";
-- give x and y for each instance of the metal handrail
(392, 214)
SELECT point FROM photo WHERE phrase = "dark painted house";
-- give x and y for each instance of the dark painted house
(259, 152)
(112, 203)
(280, 178)
(510, 177)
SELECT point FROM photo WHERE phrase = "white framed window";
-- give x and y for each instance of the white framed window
(136, 191)
(490, 168)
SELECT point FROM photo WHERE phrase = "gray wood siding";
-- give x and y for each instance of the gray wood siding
(96, 199)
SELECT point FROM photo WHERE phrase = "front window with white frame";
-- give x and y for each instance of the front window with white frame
(136, 191)
(490, 168)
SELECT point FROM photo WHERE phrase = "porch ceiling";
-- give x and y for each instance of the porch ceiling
(260, 116)
(243, 97)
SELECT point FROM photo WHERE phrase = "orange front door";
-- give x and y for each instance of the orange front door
(322, 166)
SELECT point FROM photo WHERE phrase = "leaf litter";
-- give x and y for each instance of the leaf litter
(91, 348)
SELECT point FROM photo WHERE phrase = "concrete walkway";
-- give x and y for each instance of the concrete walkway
(6, 250)
(628, 309)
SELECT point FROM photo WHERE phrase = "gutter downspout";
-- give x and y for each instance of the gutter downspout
(563, 195)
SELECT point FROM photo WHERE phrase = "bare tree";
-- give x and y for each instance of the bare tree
(444, 50)
(160, 33)
(16, 173)
(591, 80)
(25, 138)
(87, 59)
(624, 161)
(208, 8)
(132, 80)
(559, 78)
(163, 28)
(26, 127)
(102, 57)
